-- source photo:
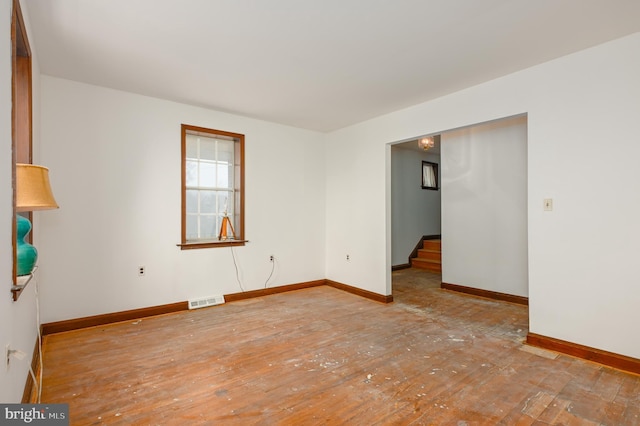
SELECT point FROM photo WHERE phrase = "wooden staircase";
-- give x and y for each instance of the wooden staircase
(429, 256)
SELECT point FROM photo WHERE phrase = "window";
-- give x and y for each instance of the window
(429, 175)
(212, 188)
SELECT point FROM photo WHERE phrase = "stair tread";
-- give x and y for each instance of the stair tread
(420, 259)
(433, 243)
(429, 266)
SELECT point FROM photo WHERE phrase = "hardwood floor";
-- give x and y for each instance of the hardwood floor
(324, 356)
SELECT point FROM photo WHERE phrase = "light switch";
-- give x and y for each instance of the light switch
(548, 204)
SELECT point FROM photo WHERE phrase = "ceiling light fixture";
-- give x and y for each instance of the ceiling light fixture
(426, 143)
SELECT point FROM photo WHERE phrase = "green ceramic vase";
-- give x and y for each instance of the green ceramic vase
(26, 254)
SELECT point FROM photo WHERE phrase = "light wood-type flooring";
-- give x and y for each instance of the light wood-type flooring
(321, 356)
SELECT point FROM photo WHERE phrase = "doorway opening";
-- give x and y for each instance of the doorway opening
(481, 210)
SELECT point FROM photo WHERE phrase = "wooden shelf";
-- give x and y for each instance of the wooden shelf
(212, 243)
(21, 284)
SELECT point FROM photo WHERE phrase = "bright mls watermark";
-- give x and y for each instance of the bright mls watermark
(34, 414)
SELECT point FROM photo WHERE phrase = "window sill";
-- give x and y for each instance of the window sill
(211, 244)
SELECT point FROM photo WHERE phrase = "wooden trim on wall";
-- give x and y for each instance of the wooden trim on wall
(611, 359)
(92, 321)
(273, 290)
(520, 300)
(399, 267)
(104, 319)
(21, 118)
(360, 292)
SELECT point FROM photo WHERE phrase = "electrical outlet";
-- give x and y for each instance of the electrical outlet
(271, 258)
(348, 257)
(17, 353)
(141, 271)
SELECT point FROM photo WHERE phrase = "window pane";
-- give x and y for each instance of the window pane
(207, 202)
(192, 201)
(192, 146)
(208, 226)
(207, 149)
(192, 173)
(225, 203)
(428, 176)
(225, 151)
(192, 227)
(223, 175)
(207, 175)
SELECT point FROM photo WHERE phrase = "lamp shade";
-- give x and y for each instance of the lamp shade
(33, 191)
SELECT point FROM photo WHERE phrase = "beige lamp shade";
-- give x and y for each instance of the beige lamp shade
(33, 191)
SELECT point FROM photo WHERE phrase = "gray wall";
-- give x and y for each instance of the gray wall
(414, 211)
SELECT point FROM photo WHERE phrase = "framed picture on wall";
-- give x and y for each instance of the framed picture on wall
(429, 175)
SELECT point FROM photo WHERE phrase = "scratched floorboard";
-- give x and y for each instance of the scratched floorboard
(323, 356)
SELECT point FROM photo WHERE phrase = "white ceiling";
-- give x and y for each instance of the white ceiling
(320, 65)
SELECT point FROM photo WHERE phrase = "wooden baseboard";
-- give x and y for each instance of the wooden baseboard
(399, 267)
(611, 359)
(520, 300)
(360, 292)
(274, 290)
(75, 324)
(104, 319)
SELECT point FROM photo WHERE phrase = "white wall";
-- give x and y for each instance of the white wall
(579, 107)
(484, 206)
(17, 319)
(114, 160)
(354, 178)
(414, 211)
